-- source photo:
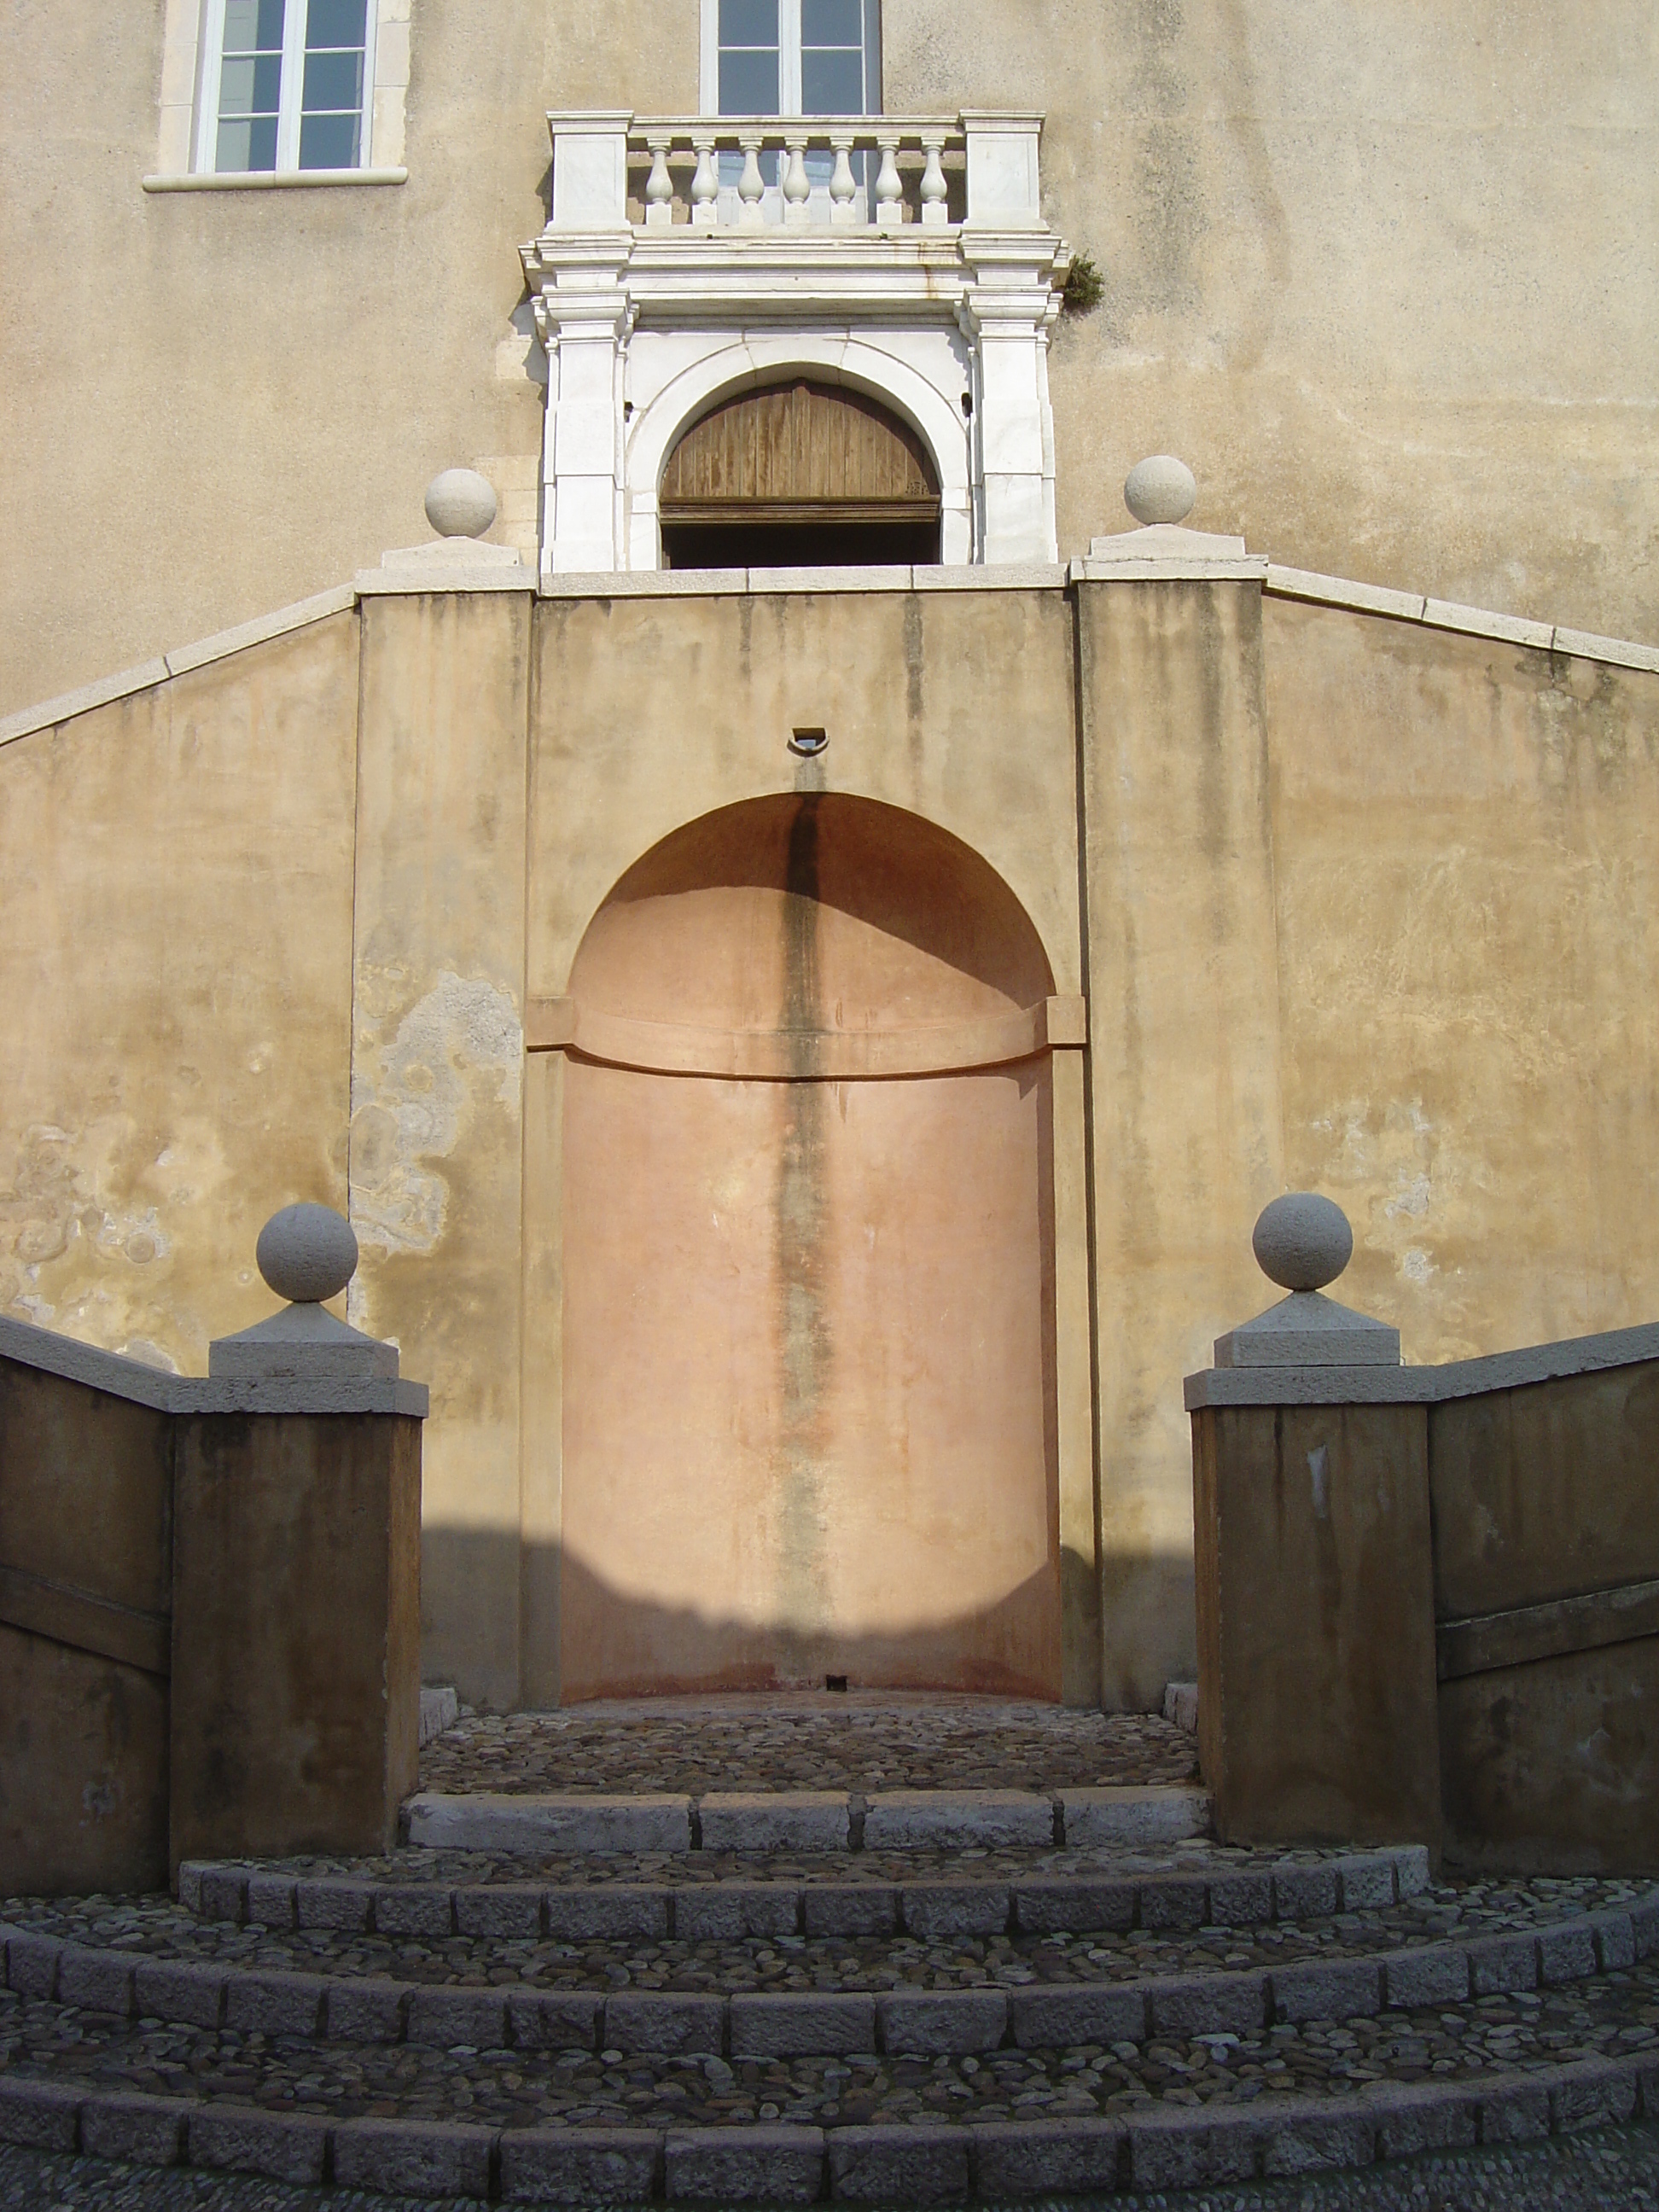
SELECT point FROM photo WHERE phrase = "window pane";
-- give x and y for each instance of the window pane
(832, 83)
(749, 23)
(328, 142)
(253, 26)
(250, 145)
(335, 23)
(251, 85)
(334, 80)
(831, 23)
(749, 84)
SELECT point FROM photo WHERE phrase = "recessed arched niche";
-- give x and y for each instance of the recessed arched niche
(801, 474)
(809, 1365)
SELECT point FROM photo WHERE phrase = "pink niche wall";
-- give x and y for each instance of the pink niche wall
(809, 1420)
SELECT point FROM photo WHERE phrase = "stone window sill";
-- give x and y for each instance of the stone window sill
(265, 180)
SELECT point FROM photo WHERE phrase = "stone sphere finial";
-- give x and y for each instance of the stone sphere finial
(1160, 488)
(307, 1254)
(1301, 1241)
(460, 503)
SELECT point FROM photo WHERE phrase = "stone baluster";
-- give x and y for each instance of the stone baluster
(934, 191)
(889, 205)
(796, 189)
(659, 185)
(750, 184)
(844, 213)
(705, 185)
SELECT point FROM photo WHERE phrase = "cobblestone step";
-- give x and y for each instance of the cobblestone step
(848, 1742)
(779, 2163)
(924, 1979)
(542, 1822)
(1238, 1889)
(360, 2005)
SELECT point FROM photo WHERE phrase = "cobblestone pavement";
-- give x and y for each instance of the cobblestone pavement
(1614, 2015)
(1607, 2170)
(850, 1741)
(414, 1863)
(155, 1927)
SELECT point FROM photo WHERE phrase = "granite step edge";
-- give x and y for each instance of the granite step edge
(943, 2164)
(1249, 1896)
(1123, 1815)
(369, 2008)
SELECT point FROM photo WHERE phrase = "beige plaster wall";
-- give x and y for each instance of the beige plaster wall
(1370, 909)
(437, 1086)
(1379, 274)
(175, 951)
(1183, 1060)
(1468, 895)
(648, 714)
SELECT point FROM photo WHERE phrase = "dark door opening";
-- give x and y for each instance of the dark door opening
(799, 475)
(797, 545)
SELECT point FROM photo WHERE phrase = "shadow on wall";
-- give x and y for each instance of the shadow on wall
(464, 1569)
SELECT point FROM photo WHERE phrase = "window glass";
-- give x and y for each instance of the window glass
(832, 49)
(749, 57)
(292, 83)
(332, 105)
(250, 85)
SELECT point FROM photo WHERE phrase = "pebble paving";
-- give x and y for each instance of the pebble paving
(1603, 2170)
(1610, 2016)
(155, 1927)
(849, 1742)
(844, 1743)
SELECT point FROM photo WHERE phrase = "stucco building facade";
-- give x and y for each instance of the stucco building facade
(802, 1047)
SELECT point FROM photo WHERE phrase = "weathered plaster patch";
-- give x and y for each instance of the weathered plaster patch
(459, 1047)
(61, 1215)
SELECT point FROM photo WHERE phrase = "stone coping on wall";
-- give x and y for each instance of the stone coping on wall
(130, 1379)
(1421, 1386)
(1336, 592)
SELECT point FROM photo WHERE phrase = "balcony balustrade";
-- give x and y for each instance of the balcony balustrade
(745, 172)
(688, 257)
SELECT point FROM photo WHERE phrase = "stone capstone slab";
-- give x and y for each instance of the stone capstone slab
(957, 1819)
(1088, 2012)
(954, 2023)
(898, 2166)
(1132, 1818)
(143, 2130)
(775, 1820)
(1041, 2158)
(785, 2025)
(580, 2166)
(731, 1909)
(484, 1821)
(664, 2024)
(554, 2019)
(415, 2158)
(775, 2165)
(954, 1908)
(43, 2115)
(290, 2146)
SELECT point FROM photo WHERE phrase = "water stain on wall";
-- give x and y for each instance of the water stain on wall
(458, 1046)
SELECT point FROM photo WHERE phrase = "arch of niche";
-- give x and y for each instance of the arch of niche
(809, 1367)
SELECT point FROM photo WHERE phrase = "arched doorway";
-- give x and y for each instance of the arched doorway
(800, 474)
(809, 1387)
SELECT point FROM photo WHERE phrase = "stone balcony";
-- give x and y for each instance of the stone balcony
(686, 257)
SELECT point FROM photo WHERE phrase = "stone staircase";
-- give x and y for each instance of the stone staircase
(960, 2005)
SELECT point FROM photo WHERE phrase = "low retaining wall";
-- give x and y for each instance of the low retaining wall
(209, 1606)
(1428, 1598)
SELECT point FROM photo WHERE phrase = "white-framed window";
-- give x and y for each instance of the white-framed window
(791, 57)
(286, 85)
